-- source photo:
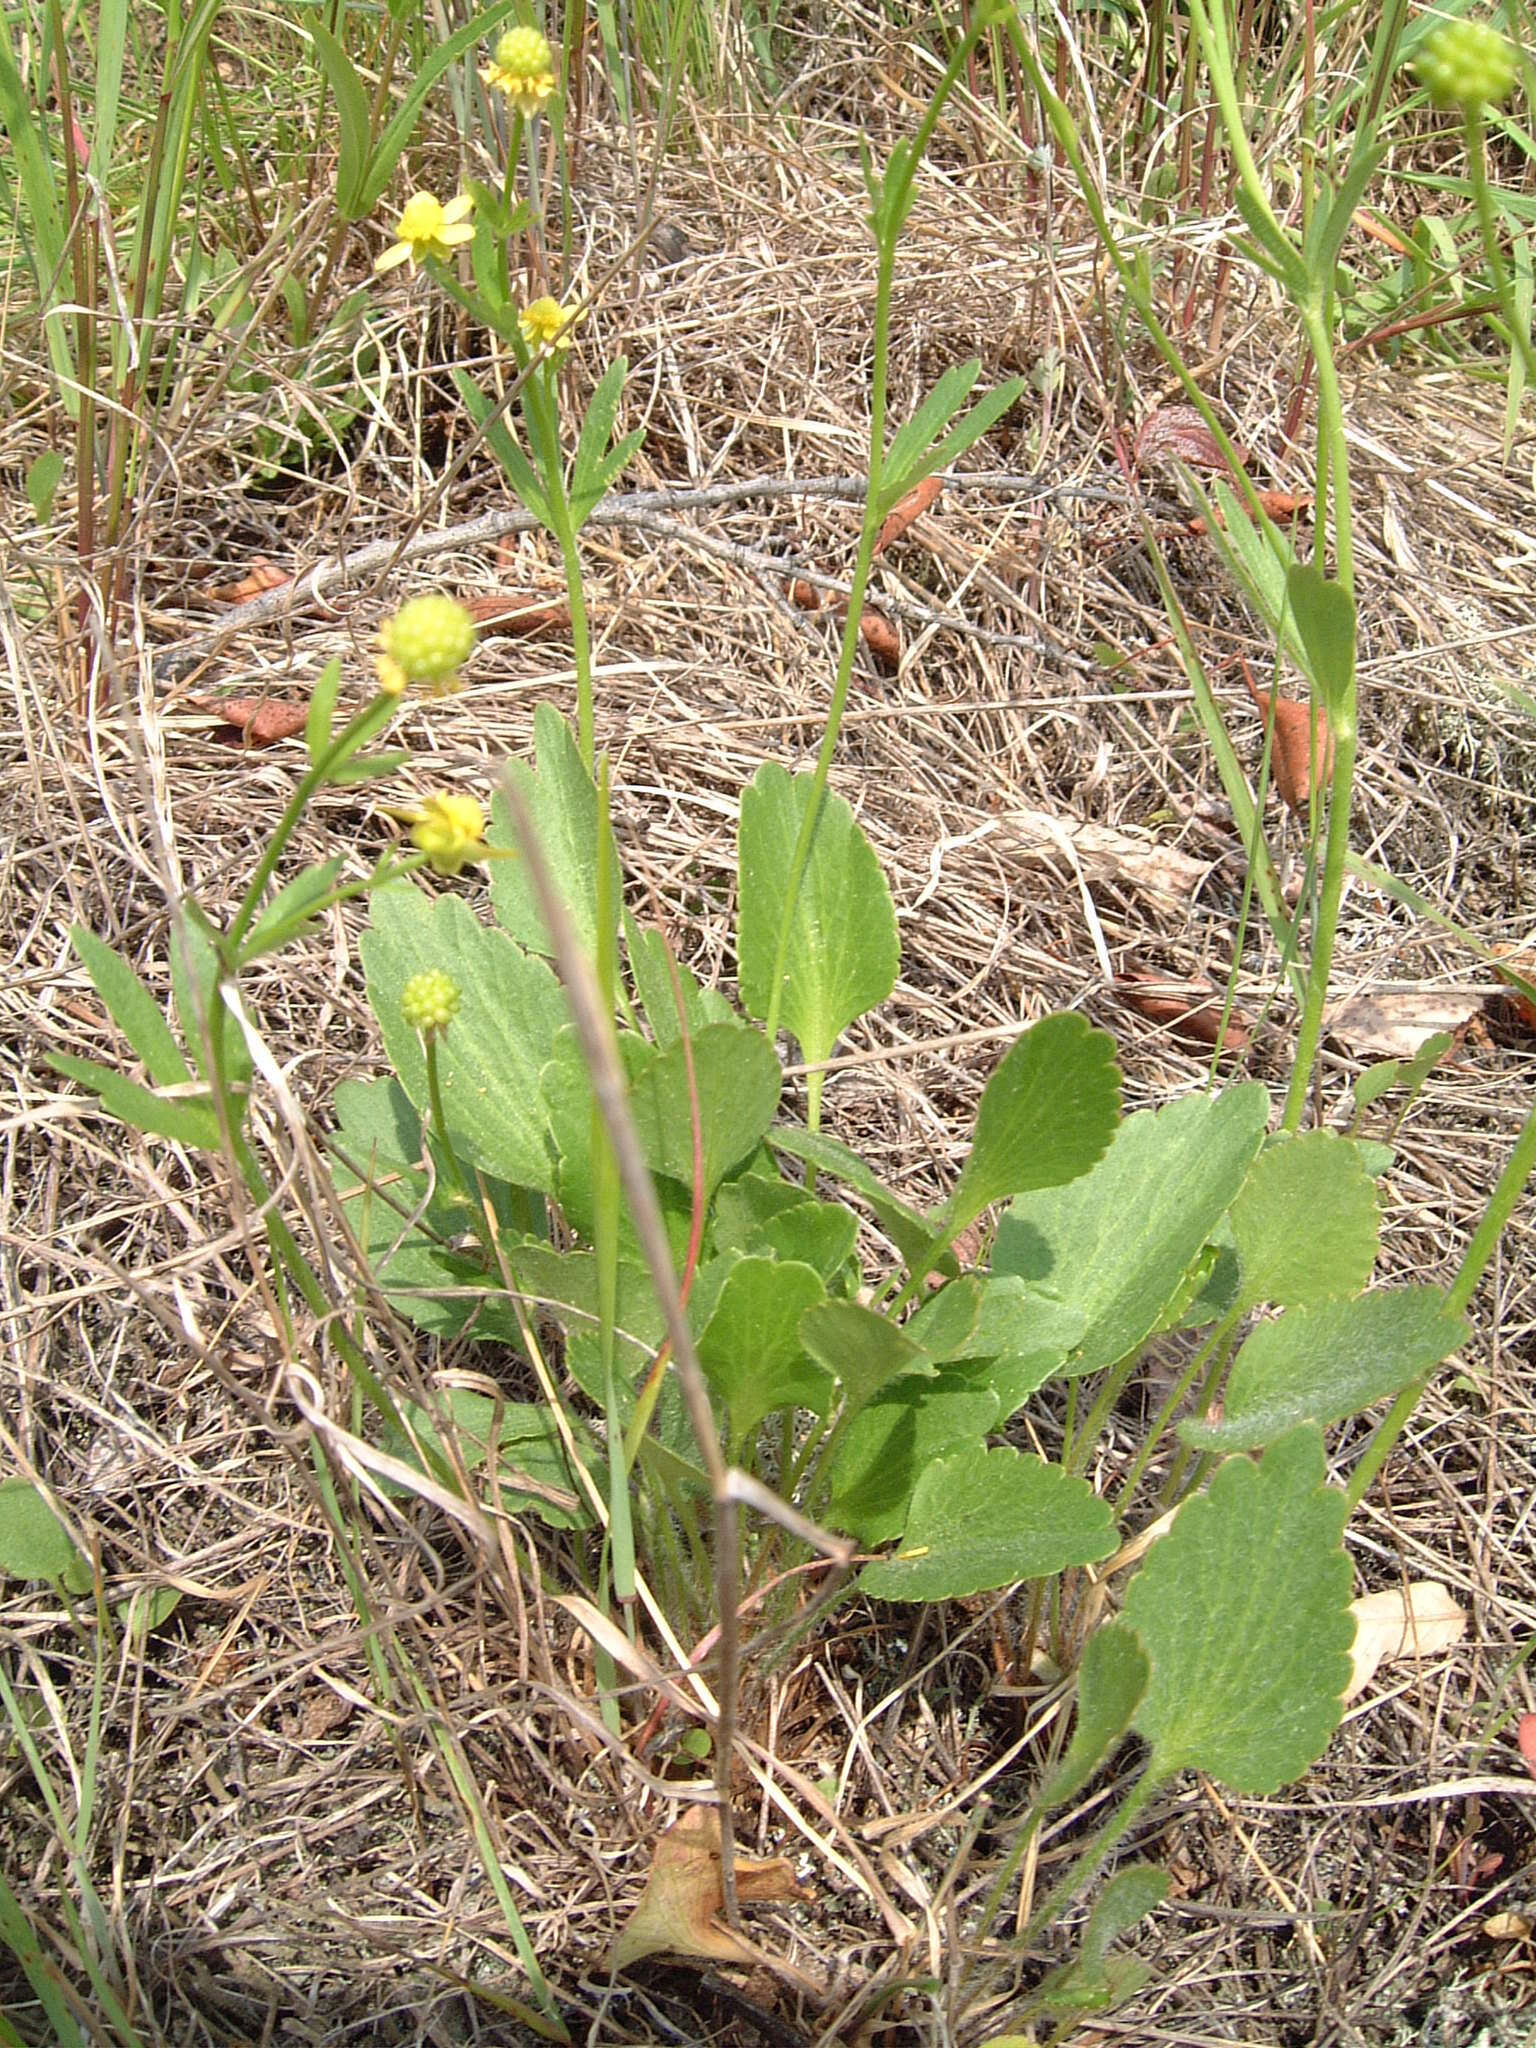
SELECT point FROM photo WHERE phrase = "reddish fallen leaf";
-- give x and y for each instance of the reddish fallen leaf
(912, 506)
(678, 1911)
(1525, 1735)
(1189, 1010)
(882, 640)
(252, 721)
(1177, 433)
(521, 612)
(1378, 231)
(1278, 504)
(806, 596)
(261, 577)
(1296, 750)
(1518, 978)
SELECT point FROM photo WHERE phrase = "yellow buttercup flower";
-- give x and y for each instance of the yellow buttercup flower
(449, 830)
(428, 228)
(548, 324)
(523, 68)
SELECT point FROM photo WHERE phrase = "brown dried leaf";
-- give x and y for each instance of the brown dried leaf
(261, 577)
(252, 721)
(1177, 433)
(677, 1911)
(912, 506)
(806, 596)
(1413, 1621)
(882, 640)
(1295, 750)
(1392, 1024)
(1507, 1927)
(1191, 1011)
(1105, 854)
(522, 612)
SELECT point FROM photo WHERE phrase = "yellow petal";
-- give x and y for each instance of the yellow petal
(453, 237)
(459, 208)
(392, 256)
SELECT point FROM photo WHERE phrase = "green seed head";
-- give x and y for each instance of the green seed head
(524, 53)
(430, 1001)
(427, 641)
(1466, 64)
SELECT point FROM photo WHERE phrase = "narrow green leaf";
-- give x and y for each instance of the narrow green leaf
(187, 1122)
(367, 767)
(351, 97)
(490, 1057)
(913, 440)
(618, 459)
(293, 904)
(1306, 1223)
(1111, 1680)
(1325, 620)
(196, 974)
(322, 710)
(516, 467)
(1329, 1360)
(982, 417)
(596, 464)
(1118, 1241)
(1331, 221)
(43, 477)
(133, 1009)
(1243, 1609)
(562, 802)
(751, 1350)
(982, 1519)
(738, 1081)
(844, 951)
(864, 1351)
(1046, 1115)
(112, 34)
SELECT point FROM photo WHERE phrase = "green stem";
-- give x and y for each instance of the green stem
(1342, 720)
(581, 637)
(1093, 1857)
(1166, 1413)
(1485, 1241)
(1488, 227)
(439, 1117)
(605, 1206)
(840, 688)
(375, 714)
(1084, 1439)
(891, 201)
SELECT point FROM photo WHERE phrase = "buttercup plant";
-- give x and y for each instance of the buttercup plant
(860, 1385)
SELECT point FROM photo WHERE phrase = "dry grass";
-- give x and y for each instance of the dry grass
(279, 1848)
